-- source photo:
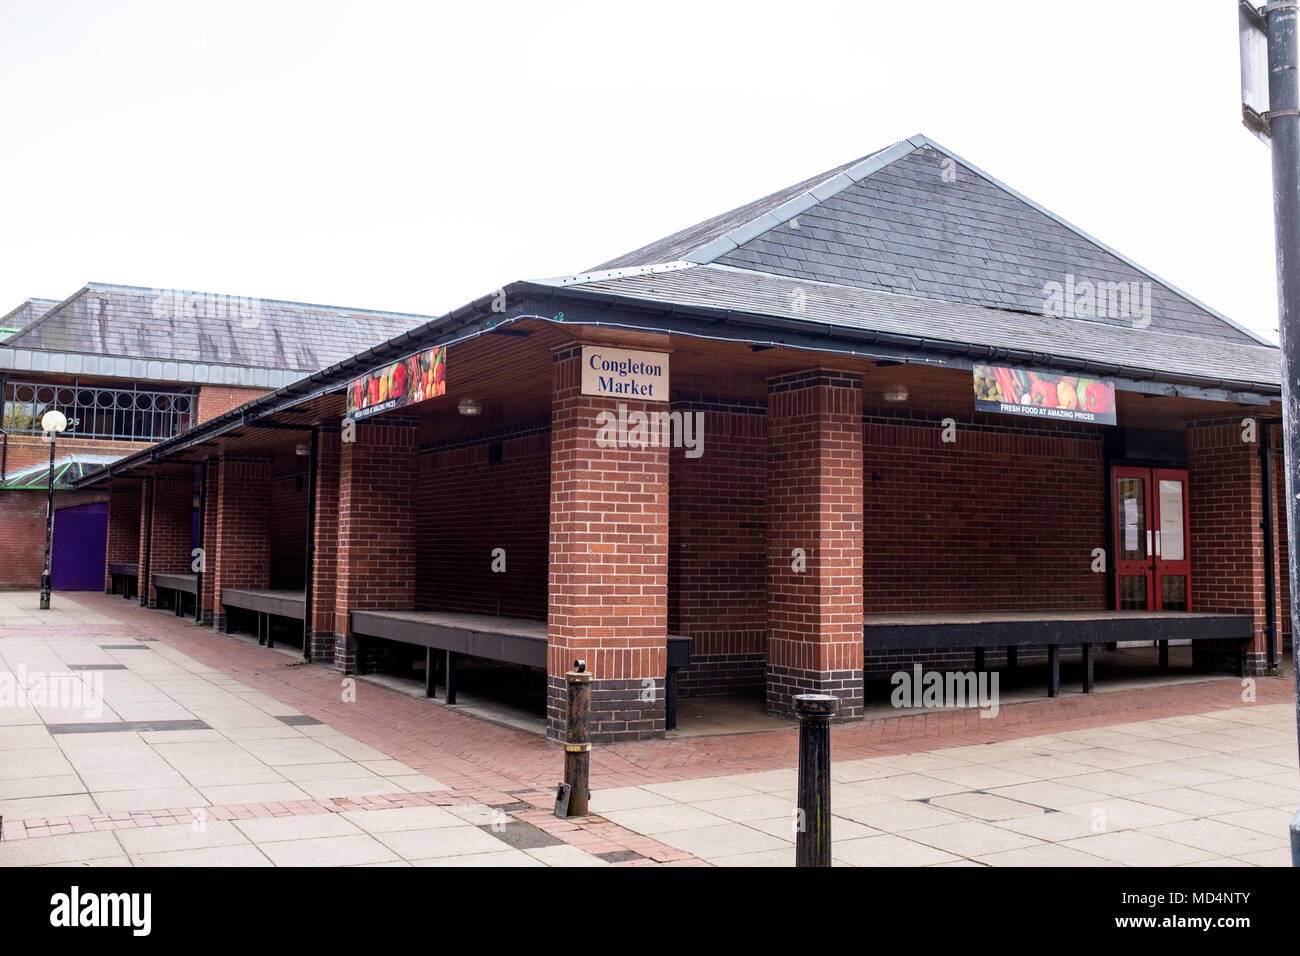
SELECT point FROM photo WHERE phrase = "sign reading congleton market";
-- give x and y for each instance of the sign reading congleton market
(1022, 391)
(623, 373)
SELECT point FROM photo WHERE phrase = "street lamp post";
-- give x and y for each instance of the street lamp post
(53, 424)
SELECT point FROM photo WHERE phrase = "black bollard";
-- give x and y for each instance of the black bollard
(571, 799)
(812, 845)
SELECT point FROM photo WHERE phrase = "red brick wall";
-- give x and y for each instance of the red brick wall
(1280, 539)
(1225, 502)
(325, 556)
(717, 564)
(123, 527)
(215, 400)
(173, 517)
(22, 533)
(376, 529)
(288, 528)
(208, 583)
(469, 507)
(1005, 518)
(28, 450)
(608, 560)
(241, 556)
(814, 503)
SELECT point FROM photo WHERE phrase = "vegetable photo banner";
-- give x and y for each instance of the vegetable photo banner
(1022, 391)
(413, 379)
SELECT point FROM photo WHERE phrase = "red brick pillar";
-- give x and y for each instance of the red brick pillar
(376, 538)
(1226, 506)
(209, 542)
(241, 556)
(814, 504)
(123, 528)
(142, 543)
(608, 564)
(325, 557)
(173, 518)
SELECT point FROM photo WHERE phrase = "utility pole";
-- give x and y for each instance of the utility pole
(1279, 126)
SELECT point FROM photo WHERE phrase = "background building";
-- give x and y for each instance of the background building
(131, 366)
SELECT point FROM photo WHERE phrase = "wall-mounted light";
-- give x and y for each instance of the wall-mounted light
(302, 449)
(470, 406)
(895, 393)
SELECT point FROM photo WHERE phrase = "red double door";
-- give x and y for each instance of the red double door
(1153, 569)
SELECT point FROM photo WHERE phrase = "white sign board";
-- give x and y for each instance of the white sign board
(623, 373)
(1253, 40)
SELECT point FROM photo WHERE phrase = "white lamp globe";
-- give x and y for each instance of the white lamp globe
(53, 422)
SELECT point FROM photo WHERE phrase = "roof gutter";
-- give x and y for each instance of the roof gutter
(729, 317)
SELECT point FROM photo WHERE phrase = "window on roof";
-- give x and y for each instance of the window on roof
(124, 412)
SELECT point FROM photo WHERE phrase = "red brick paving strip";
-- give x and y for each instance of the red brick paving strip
(592, 833)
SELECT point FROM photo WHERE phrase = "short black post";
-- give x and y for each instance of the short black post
(1013, 656)
(1054, 670)
(813, 838)
(1164, 655)
(980, 661)
(571, 801)
(1087, 669)
(430, 679)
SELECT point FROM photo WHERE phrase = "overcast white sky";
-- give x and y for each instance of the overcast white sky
(413, 156)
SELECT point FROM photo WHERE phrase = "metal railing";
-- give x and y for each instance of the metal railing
(125, 413)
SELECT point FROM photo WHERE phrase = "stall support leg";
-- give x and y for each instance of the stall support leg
(670, 699)
(979, 659)
(1054, 669)
(1164, 655)
(269, 642)
(1012, 657)
(451, 677)
(430, 682)
(1087, 668)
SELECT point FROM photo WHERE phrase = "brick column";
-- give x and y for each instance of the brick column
(142, 545)
(608, 564)
(814, 481)
(241, 555)
(376, 539)
(173, 517)
(123, 528)
(1226, 506)
(209, 542)
(326, 555)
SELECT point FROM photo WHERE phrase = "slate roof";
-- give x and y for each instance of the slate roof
(951, 326)
(166, 326)
(894, 222)
(25, 315)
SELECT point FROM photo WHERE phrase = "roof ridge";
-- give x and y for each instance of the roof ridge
(833, 185)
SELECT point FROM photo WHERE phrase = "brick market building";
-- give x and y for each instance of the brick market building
(894, 414)
(129, 367)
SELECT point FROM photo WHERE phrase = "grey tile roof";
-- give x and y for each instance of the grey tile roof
(746, 291)
(896, 223)
(25, 315)
(110, 320)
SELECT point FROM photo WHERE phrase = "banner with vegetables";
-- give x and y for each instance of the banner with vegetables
(413, 379)
(1021, 391)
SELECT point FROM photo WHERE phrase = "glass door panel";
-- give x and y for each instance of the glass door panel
(1133, 539)
(1172, 558)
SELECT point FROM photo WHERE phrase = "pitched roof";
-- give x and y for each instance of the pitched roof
(23, 316)
(917, 220)
(174, 326)
(933, 324)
